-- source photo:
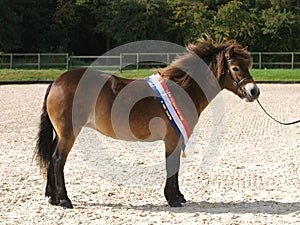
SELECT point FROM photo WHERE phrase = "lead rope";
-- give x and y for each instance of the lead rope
(291, 123)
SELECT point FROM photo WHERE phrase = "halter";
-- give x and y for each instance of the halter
(238, 83)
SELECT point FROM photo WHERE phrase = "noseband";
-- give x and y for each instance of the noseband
(236, 83)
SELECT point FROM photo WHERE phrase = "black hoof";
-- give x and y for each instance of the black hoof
(66, 204)
(176, 203)
(52, 201)
(181, 199)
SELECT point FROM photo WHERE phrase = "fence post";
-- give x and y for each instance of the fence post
(137, 60)
(259, 60)
(11, 61)
(121, 62)
(39, 61)
(293, 60)
(71, 57)
(67, 61)
(168, 58)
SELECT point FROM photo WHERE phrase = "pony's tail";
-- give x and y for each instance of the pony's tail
(45, 143)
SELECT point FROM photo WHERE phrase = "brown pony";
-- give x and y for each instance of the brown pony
(83, 97)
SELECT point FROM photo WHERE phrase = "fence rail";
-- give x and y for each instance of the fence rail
(34, 60)
(39, 61)
(276, 59)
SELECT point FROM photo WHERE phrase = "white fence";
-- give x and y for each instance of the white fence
(34, 60)
(263, 60)
(39, 61)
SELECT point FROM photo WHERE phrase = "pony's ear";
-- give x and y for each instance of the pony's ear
(229, 52)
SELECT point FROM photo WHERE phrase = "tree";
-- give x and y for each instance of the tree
(277, 28)
(10, 35)
(191, 20)
(64, 20)
(84, 30)
(235, 21)
(93, 27)
(215, 4)
(36, 21)
(132, 20)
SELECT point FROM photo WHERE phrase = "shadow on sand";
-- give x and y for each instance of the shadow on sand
(263, 207)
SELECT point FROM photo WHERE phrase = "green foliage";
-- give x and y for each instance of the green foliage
(132, 20)
(64, 21)
(235, 21)
(93, 27)
(35, 26)
(277, 26)
(10, 27)
(191, 19)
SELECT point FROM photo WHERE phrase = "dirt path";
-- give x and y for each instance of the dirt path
(245, 170)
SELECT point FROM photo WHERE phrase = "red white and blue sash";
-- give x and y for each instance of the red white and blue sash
(170, 108)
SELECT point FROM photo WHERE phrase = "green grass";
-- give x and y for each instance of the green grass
(276, 74)
(135, 74)
(44, 75)
(29, 75)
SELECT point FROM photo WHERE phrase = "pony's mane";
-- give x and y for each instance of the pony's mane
(213, 54)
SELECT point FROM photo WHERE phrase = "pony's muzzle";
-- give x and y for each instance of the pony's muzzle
(251, 92)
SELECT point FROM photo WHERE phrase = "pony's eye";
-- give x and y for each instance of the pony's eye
(235, 69)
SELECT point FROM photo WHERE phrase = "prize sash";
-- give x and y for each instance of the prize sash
(171, 109)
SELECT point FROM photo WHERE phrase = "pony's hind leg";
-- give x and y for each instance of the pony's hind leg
(172, 193)
(59, 158)
(50, 187)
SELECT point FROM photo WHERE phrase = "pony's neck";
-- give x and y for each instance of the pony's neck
(200, 72)
(201, 96)
(198, 78)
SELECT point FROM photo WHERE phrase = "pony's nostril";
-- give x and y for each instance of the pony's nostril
(254, 92)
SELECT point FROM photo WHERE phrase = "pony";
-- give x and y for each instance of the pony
(83, 97)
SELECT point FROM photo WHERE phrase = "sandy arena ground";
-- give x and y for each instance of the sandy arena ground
(243, 170)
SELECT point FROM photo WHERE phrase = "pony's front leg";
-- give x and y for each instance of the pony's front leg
(172, 192)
